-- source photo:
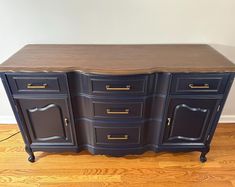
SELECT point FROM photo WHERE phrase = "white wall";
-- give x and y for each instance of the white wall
(116, 21)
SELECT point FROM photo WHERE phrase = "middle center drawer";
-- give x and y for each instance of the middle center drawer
(109, 108)
(118, 109)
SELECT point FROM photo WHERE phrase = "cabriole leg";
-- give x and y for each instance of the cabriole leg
(31, 155)
(203, 156)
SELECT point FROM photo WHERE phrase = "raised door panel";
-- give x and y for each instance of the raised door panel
(188, 120)
(47, 121)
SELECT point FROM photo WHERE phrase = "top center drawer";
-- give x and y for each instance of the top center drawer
(110, 85)
(119, 85)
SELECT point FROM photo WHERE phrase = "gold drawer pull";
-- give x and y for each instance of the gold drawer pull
(109, 88)
(31, 86)
(206, 86)
(121, 137)
(126, 111)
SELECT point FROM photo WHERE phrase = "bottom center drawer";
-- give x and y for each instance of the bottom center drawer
(117, 135)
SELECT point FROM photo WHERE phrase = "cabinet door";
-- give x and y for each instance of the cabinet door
(47, 120)
(188, 120)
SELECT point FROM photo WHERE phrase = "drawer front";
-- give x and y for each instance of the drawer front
(116, 135)
(37, 83)
(199, 83)
(118, 110)
(119, 85)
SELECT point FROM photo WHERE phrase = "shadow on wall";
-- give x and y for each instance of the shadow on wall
(226, 50)
(229, 52)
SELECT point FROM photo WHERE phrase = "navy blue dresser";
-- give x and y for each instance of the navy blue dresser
(117, 100)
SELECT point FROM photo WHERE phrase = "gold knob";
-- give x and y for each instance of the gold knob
(168, 122)
(66, 121)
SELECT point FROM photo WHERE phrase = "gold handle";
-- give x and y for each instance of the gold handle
(168, 122)
(206, 86)
(121, 137)
(109, 88)
(108, 111)
(31, 86)
(66, 121)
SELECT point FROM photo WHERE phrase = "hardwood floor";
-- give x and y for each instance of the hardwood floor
(149, 169)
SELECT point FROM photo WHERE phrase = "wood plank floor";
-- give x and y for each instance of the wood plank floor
(149, 169)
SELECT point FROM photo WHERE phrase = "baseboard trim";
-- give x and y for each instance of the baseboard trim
(7, 120)
(227, 119)
(12, 120)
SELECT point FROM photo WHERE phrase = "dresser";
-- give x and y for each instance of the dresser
(117, 99)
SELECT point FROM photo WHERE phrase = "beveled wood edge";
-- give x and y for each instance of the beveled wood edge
(119, 72)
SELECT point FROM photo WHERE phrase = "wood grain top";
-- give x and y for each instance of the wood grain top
(118, 59)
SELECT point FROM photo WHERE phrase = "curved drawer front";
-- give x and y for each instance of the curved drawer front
(109, 86)
(118, 109)
(23, 83)
(117, 135)
(199, 83)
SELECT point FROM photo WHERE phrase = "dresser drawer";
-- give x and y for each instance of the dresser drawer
(118, 109)
(199, 83)
(119, 84)
(115, 135)
(37, 83)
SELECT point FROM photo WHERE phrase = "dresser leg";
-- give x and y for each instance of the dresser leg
(203, 156)
(31, 155)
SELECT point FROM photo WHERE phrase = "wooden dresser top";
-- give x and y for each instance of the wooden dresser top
(118, 59)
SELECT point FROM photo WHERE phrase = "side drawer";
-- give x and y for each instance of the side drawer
(118, 109)
(119, 84)
(28, 83)
(199, 83)
(117, 135)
